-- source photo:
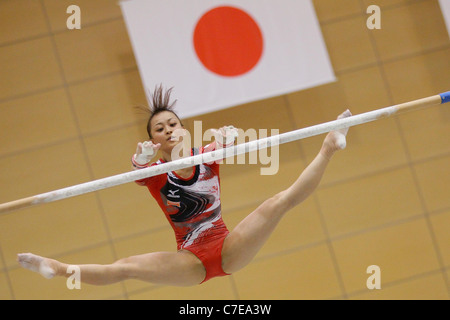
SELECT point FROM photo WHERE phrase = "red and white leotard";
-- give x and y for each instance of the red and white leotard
(192, 207)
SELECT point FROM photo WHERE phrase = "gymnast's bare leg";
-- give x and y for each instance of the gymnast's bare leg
(244, 242)
(166, 268)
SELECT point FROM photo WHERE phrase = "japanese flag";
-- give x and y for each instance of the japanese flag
(221, 53)
(445, 7)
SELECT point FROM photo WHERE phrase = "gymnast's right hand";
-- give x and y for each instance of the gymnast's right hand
(145, 151)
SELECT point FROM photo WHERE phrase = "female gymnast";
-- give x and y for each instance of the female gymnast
(190, 199)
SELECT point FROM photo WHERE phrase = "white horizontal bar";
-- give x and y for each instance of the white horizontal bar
(216, 155)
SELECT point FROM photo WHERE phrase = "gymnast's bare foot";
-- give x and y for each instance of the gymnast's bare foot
(44, 266)
(336, 140)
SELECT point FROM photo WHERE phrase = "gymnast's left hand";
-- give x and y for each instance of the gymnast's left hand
(225, 136)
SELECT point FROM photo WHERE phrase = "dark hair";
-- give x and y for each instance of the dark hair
(160, 101)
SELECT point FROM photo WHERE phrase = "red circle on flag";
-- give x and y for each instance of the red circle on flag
(228, 41)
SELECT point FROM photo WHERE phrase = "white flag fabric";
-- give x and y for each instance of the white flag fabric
(445, 7)
(222, 53)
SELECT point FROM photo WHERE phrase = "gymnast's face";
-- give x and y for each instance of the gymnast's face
(165, 128)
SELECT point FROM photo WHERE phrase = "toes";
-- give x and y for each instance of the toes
(345, 114)
(35, 263)
(29, 261)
